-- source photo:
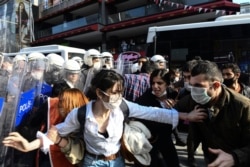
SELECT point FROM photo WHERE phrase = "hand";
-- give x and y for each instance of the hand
(197, 115)
(15, 140)
(223, 159)
(169, 103)
(53, 134)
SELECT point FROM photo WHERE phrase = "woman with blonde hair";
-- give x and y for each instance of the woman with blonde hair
(57, 110)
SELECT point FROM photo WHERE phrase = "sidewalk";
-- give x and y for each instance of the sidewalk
(182, 154)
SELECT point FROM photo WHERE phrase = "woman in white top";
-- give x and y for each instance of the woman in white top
(104, 120)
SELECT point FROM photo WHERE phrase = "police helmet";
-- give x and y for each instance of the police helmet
(90, 54)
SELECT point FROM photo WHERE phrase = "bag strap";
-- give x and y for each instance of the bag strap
(81, 116)
(125, 110)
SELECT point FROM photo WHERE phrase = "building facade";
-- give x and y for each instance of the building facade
(118, 25)
(108, 25)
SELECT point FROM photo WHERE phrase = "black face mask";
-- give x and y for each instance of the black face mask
(229, 82)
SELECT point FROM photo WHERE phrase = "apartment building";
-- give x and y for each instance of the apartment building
(118, 25)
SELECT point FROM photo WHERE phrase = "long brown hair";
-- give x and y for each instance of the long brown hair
(71, 98)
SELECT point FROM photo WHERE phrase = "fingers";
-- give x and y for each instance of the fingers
(14, 136)
(214, 151)
(169, 103)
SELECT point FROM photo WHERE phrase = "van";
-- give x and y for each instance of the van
(65, 51)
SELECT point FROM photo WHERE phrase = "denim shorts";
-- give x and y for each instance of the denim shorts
(90, 161)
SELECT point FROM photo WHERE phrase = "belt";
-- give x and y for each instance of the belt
(103, 157)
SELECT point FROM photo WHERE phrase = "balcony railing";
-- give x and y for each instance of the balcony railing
(48, 9)
(66, 26)
(114, 18)
(149, 10)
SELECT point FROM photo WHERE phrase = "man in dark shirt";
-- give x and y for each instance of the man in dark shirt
(231, 74)
(226, 131)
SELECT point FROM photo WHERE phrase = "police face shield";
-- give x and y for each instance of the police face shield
(97, 63)
(53, 75)
(161, 64)
(7, 65)
(19, 66)
(34, 76)
(72, 76)
(108, 62)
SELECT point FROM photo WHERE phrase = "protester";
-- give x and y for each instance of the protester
(57, 109)
(160, 95)
(136, 84)
(192, 143)
(225, 133)
(231, 74)
(141, 60)
(104, 120)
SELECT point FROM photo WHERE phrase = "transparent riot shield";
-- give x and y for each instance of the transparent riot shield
(122, 66)
(10, 96)
(30, 99)
(32, 87)
(88, 75)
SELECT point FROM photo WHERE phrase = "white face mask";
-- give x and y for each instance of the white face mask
(199, 95)
(97, 65)
(112, 105)
(114, 101)
(187, 86)
(37, 75)
(163, 94)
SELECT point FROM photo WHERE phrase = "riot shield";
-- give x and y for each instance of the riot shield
(30, 100)
(9, 100)
(88, 75)
(32, 86)
(125, 61)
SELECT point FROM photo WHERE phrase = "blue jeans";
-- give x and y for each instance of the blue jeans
(90, 161)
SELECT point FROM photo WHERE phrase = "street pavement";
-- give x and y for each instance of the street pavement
(182, 154)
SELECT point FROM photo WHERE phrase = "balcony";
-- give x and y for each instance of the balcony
(47, 9)
(66, 26)
(142, 11)
(148, 10)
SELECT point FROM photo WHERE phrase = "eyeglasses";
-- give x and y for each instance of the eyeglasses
(114, 97)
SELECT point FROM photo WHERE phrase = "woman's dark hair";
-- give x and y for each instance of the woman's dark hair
(105, 79)
(162, 73)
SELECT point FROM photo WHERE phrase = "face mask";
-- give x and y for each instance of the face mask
(229, 82)
(112, 105)
(199, 95)
(114, 101)
(163, 94)
(187, 86)
(97, 65)
(37, 75)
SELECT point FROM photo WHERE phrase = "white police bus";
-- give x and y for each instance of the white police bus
(223, 40)
(66, 52)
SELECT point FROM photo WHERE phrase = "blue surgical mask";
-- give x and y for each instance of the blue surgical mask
(199, 95)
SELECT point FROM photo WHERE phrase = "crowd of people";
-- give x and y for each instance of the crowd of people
(83, 107)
